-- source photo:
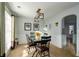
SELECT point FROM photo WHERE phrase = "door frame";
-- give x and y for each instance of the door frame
(76, 31)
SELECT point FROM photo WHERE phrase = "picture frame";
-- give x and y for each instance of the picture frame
(27, 26)
(36, 27)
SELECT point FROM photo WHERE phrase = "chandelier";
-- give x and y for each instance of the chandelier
(39, 15)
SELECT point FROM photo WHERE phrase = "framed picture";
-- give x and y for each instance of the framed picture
(35, 26)
(27, 26)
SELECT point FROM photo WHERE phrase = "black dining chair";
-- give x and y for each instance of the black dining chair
(43, 48)
(29, 42)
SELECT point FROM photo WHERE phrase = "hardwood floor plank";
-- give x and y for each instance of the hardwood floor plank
(54, 52)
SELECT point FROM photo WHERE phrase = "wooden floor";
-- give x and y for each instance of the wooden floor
(22, 51)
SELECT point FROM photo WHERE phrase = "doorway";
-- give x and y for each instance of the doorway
(69, 33)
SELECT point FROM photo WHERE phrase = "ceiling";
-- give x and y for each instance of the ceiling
(50, 9)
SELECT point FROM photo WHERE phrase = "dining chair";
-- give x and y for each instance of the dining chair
(43, 49)
(29, 42)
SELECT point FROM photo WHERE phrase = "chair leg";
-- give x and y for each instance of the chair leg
(37, 54)
(48, 53)
(28, 50)
(43, 54)
(34, 52)
(40, 54)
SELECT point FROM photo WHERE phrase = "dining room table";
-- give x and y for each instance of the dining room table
(42, 40)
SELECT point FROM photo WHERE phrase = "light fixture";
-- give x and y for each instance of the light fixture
(39, 14)
(18, 6)
(56, 23)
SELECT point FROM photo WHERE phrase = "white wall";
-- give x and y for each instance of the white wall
(56, 31)
(19, 29)
(20, 33)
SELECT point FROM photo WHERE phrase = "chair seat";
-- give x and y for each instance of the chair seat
(42, 48)
(31, 44)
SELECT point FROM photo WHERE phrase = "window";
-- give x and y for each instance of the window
(71, 29)
(7, 31)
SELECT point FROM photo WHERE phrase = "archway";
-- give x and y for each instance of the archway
(69, 32)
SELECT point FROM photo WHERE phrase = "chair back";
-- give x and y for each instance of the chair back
(32, 35)
(28, 38)
(46, 40)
